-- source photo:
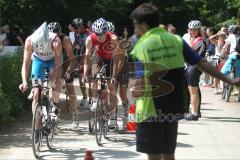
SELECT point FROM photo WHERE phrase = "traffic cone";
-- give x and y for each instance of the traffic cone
(88, 155)
(131, 124)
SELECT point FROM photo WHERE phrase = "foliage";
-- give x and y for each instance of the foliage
(28, 14)
(12, 100)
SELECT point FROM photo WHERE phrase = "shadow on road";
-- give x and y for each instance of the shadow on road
(224, 119)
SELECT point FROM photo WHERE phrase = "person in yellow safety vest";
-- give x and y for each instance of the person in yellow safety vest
(159, 70)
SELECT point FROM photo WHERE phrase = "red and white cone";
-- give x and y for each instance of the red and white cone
(131, 123)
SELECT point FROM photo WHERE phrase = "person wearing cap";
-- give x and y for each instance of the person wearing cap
(44, 49)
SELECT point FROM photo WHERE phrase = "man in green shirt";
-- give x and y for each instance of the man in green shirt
(159, 58)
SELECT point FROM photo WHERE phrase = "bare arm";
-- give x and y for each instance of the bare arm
(67, 45)
(225, 50)
(88, 54)
(213, 39)
(118, 56)
(205, 66)
(26, 60)
(57, 47)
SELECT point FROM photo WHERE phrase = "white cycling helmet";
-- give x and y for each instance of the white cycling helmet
(54, 27)
(40, 38)
(194, 24)
(110, 27)
(99, 26)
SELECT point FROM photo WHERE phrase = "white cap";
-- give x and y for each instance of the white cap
(40, 38)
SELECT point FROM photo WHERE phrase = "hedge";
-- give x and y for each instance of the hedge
(12, 101)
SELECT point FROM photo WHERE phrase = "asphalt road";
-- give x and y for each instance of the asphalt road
(215, 136)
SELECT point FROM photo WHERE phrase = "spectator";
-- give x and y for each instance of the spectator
(162, 26)
(172, 29)
(224, 30)
(231, 41)
(186, 37)
(218, 40)
(125, 33)
(89, 27)
(210, 53)
(13, 38)
(71, 33)
(3, 37)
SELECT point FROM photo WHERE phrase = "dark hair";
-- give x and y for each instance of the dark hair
(147, 13)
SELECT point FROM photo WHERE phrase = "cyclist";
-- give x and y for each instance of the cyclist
(80, 37)
(44, 48)
(233, 64)
(67, 68)
(197, 43)
(231, 41)
(122, 84)
(100, 43)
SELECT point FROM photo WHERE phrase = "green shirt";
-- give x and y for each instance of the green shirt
(158, 50)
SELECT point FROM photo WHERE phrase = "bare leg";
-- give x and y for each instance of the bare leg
(34, 102)
(194, 98)
(155, 156)
(168, 157)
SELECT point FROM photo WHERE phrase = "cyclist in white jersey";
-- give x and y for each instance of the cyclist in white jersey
(44, 49)
(231, 41)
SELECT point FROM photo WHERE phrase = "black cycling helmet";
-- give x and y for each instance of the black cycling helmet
(77, 22)
(54, 27)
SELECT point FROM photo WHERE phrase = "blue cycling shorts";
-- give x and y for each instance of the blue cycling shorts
(39, 66)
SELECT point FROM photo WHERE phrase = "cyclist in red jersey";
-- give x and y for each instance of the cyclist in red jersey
(101, 45)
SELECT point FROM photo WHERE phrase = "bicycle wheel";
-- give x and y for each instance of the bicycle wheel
(91, 122)
(50, 133)
(224, 92)
(37, 131)
(106, 119)
(228, 92)
(200, 101)
(98, 122)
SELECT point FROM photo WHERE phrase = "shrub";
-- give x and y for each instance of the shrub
(12, 101)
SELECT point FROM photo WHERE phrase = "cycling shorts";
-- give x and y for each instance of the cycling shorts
(101, 62)
(39, 66)
(193, 76)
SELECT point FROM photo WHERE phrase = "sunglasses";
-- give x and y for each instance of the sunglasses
(193, 30)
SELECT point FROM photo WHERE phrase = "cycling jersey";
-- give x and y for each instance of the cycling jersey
(49, 54)
(198, 45)
(232, 41)
(103, 50)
